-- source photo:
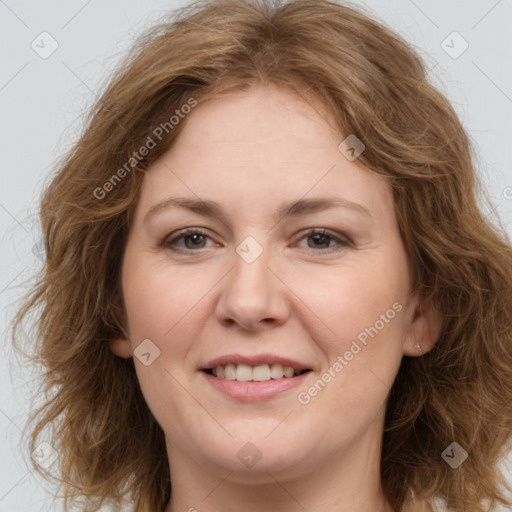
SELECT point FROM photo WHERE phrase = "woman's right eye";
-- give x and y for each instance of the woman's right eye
(192, 237)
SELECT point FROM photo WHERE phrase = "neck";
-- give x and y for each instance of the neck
(348, 482)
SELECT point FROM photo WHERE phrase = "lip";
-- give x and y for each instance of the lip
(253, 391)
(255, 361)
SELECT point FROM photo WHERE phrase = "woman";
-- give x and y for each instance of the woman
(268, 283)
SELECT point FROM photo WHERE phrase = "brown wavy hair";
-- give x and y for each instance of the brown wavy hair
(376, 87)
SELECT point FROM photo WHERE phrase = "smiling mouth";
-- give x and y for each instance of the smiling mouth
(258, 373)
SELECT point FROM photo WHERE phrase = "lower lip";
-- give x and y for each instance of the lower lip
(255, 390)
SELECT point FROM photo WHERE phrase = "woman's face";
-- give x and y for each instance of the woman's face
(256, 172)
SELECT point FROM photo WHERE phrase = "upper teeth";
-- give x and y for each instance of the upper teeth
(262, 372)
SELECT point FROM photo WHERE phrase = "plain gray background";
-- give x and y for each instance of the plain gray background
(42, 101)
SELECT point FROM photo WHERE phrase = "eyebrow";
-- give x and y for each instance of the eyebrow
(297, 208)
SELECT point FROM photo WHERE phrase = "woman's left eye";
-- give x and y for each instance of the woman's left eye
(196, 239)
(319, 237)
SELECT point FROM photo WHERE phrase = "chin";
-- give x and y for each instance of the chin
(256, 453)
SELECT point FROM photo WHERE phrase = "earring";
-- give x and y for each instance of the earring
(418, 347)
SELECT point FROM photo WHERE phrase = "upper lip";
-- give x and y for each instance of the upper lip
(254, 360)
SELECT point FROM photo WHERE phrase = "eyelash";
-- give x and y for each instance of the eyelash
(342, 242)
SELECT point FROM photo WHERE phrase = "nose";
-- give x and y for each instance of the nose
(254, 296)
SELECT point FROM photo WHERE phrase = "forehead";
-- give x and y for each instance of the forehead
(248, 121)
(257, 147)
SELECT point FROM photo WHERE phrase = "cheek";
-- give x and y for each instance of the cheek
(362, 346)
(162, 303)
(349, 300)
(163, 306)
(363, 307)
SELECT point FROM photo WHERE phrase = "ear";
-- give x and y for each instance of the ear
(424, 329)
(121, 347)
